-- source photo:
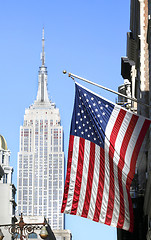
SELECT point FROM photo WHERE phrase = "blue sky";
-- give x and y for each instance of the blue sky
(87, 38)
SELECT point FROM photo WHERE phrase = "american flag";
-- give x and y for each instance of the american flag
(104, 144)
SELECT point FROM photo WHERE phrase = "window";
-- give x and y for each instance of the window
(26, 139)
(25, 182)
(5, 177)
(3, 158)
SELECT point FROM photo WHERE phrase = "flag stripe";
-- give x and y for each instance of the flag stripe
(78, 176)
(84, 177)
(66, 188)
(132, 166)
(73, 174)
(100, 186)
(116, 160)
(108, 132)
(138, 145)
(113, 137)
(89, 181)
(95, 183)
(126, 170)
(121, 163)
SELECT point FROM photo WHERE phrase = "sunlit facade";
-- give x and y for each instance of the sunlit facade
(41, 158)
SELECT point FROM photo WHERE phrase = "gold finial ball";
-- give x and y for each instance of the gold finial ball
(64, 71)
(43, 233)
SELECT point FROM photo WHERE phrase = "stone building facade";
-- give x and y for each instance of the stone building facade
(139, 51)
(7, 189)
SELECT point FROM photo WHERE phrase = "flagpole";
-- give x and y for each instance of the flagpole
(105, 88)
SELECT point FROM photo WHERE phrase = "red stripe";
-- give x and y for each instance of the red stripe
(121, 163)
(113, 138)
(78, 177)
(138, 146)
(66, 188)
(132, 167)
(89, 181)
(100, 187)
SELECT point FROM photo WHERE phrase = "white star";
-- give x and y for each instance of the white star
(94, 138)
(75, 130)
(92, 133)
(106, 105)
(82, 111)
(79, 106)
(94, 104)
(87, 122)
(92, 98)
(99, 102)
(76, 122)
(96, 110)
(83, 125)
(79, 127)
(100, 121)
(80, 119)
(103, 113)
(86, 130)
(79, 97)
(88, 135)
(82, 133)
(101, 108)
(78, 114)
(84, 116)
(87, 100)
(89, 127)
(89, 106)
(98, 115)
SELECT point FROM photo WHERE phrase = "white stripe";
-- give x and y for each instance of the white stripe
(84, 177)
(116, 158)
(73, 174)
(132, 144)
(94, 183)
(108, 131)
(126, 168)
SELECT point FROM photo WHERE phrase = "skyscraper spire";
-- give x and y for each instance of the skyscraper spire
(43, 45)
(42, 99)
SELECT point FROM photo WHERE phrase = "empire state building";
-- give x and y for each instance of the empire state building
(41, 157)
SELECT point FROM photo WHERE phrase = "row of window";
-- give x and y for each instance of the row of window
(42, 122)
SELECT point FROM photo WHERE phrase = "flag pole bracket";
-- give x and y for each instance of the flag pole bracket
(105, 88)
